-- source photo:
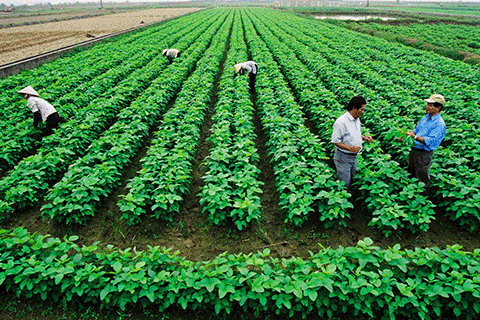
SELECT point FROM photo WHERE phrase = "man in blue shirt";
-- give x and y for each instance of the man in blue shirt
(428, 135)
(347, 138)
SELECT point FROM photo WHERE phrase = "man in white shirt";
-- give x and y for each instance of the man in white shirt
(42, 110)
(171, 54)
(347, 138)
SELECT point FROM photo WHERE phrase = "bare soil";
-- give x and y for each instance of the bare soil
(24, 41)
(8, 20)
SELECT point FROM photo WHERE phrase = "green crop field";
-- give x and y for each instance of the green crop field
(145, 136)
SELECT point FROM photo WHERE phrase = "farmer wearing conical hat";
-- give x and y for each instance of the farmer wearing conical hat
(171, 54)
(428, 135)
(42, 110)
(249, 67)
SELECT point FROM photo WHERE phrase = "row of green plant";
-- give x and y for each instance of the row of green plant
(453, 36)
(75, 89)
(419, 70)
(455, 185)
(447, 9)
(408, 68)
(390, 195)
(462, 98)
(449, 73)
(166, 171)
(26, 185)
(19, 137)
(360, 281)
(74, 67)
(307, 185)
(90, 179)
(231, 190)
(25, 141)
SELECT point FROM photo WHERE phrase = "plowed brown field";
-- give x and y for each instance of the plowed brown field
(24, 41)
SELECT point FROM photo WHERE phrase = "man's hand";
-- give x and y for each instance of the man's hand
(410, 134)
(368, 138)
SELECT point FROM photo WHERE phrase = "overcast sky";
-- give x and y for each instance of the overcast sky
(30, 2)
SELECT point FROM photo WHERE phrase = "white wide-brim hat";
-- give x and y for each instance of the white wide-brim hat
(237, 67)
(29, 90)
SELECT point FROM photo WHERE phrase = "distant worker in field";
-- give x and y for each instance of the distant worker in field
(428, 135)
(249, 68)
(42, 110)
(347, 138)
(171, 54)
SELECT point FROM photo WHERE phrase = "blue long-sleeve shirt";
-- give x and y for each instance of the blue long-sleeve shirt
(432, 130)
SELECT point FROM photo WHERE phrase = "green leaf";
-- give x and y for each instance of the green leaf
(117, 266)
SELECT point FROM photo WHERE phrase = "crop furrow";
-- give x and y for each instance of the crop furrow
(24, 140)
(89, 180)
(231, 186)
(305, 182)
(165, 176)
(391, 204)
(32, 177)
(454, 185)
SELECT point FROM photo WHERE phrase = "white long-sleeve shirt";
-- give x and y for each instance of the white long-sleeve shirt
(249, 67)
(172, 53)
(37, 104)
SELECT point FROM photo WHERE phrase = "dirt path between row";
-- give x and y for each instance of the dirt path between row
(24, 41)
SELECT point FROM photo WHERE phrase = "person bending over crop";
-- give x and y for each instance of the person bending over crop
(249, 68)
(171, 54)
(428, 135)
(42, 110)
(347, 138)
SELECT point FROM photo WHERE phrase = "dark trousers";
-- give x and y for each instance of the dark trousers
(419, 164)
(52, 122)
(252, 77)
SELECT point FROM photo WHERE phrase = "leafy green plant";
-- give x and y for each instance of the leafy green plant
(25, 186)
(231, 190)
(382, 181)
(363, 280)
(92, 178)
(166, 169)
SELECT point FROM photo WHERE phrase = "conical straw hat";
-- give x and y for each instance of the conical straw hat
(237, 67)
(29, 90)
